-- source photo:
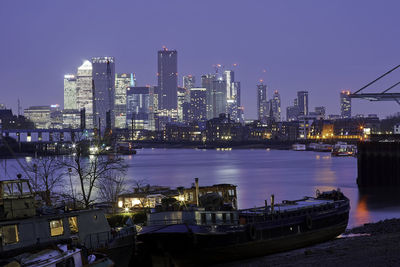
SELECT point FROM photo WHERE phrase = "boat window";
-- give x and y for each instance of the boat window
(56, 227)
(224, 217)
(9, 234)
(213, 218)
(231, 215)
(73, 224)
(203, 218)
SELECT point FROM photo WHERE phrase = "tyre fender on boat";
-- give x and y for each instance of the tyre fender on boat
(251, 230)
(309, 222)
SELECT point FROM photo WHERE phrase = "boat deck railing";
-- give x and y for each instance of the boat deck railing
(103, 239)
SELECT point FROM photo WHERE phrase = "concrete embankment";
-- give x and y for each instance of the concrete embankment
(375, 244)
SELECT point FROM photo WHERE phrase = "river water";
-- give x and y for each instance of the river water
(259, 173)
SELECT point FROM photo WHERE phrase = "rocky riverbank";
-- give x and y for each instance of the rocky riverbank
(373, 244)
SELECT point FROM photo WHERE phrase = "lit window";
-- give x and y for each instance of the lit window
(73, 225)
(56, 227)
(9, 234)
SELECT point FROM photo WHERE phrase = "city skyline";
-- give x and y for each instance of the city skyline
(318, 61)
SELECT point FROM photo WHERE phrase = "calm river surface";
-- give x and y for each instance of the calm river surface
(260, 173)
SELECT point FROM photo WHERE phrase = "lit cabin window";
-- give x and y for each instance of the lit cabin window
(56, 227)
(9, 234)
(73, 225)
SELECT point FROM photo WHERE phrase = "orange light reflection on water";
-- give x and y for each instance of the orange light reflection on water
(362, 214)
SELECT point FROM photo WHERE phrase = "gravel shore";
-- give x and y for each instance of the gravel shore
(373, 244)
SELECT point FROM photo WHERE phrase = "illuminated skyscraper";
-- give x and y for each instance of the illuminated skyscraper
(207, 82)
(198, 104)
(139, 108)
(189, 81)
(219, 100)
(122, 82)
(103, 92)
(84, 90)
(262, 102)
(345, 104)
(276, 106)
(232, 96)
(167, 79)
(302, 101)
(70, 93)
(183, 97)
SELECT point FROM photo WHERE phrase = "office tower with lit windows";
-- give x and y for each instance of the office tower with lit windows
(233, 107)
(189, 81)
(103, 76)
(302, 102)
(167, 79)
(84, 99)
(70, 93)
(198, 104)
(207, 82)
(262, 102)
(139, 103)
(276, 106)
(183, 97)
(122, 82)
(345, 104)
(219, 99)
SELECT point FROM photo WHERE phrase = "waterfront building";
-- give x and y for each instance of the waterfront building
(167, 79)
(345, 104)
(70, 92)
(198, 104)
(262, 102)
(305, 124)
(175, 132)
(39, 115)
(103, 76)
(276, 106)
(139, 113)
(122, 82)
(224, 129)
(302, 102)
(84, 90)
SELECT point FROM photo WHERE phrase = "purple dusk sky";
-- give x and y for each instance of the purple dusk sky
(322, 46)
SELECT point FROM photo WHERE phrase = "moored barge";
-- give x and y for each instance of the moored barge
(200, 237)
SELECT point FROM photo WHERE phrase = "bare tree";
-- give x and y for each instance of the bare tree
(91, 169)
(110, 187)
(45, 177)
(142, 189)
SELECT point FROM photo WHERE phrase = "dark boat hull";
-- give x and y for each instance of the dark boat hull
(204, 249)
